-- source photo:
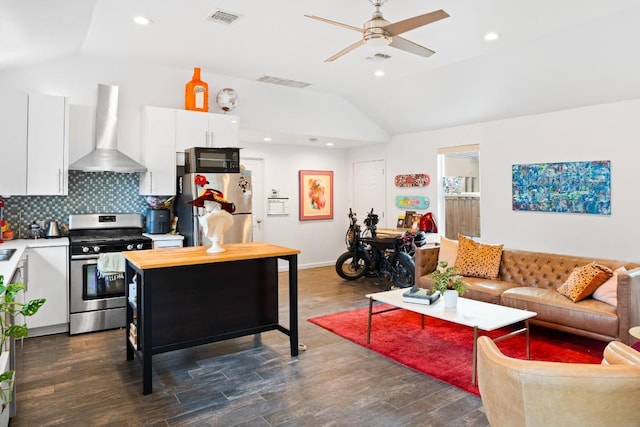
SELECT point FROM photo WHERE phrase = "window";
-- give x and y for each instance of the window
(459, 190)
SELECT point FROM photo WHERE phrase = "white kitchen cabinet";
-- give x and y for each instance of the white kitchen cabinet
(198, 129)
(158, 151)
(13, 142)
(47, 152)
(47, 275)
(34, 150)
(224, 130)
(166, 240)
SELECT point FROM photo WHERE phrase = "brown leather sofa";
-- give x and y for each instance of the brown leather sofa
(528, 281)
(518, 393)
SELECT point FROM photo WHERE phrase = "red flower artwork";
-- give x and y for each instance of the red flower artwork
(316, 194)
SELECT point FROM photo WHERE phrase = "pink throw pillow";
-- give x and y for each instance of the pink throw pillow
(608, 291)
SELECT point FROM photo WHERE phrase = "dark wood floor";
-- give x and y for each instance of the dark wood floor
(85, 380)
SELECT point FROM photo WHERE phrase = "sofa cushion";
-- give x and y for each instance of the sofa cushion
(555, 309)
(584, 280)
(487, 290)
(608, 291)
(476, 259)
(448, 250)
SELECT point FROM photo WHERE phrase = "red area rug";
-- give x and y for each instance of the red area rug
(443, 350)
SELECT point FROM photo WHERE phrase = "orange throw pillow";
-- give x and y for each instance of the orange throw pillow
(584, 280)
(478, 259)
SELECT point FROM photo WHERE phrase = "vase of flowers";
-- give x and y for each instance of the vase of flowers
(448, 281)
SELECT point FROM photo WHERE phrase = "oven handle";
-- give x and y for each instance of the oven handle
(83, 257)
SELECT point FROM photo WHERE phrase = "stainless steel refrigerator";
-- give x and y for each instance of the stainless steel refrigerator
(236, 188)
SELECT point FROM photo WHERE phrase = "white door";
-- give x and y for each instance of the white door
(369, 190)
(258, 197)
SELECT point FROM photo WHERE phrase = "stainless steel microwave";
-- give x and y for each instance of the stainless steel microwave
(212, 160)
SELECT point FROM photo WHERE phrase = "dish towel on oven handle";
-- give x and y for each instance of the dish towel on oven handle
(111, 266)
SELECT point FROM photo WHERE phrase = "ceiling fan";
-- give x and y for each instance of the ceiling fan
(379, 32)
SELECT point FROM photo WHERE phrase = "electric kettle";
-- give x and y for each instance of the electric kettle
(53, 231)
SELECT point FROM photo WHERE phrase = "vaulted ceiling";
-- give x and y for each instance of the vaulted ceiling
(550, 55)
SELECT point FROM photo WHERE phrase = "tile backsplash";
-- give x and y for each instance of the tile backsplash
(89, 192)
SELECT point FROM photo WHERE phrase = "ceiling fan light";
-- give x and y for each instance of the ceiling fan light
(379, 41)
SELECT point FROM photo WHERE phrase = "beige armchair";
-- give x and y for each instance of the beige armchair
(531, 393)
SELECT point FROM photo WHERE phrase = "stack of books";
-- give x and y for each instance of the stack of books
(420, 296)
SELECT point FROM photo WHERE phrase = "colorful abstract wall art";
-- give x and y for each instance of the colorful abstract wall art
(573, 187)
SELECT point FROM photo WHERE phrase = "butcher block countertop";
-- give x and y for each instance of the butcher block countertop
(192, 255)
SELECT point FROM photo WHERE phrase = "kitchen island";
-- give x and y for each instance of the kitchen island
(185, 297)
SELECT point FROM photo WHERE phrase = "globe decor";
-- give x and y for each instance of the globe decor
(227, 99)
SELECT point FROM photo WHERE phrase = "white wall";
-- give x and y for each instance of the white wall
(321, 242)
(601, 132)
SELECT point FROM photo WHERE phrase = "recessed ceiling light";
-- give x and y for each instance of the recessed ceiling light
(378, 73)
(491, 36)
(267, 139)
(329, 144)
(142, 20)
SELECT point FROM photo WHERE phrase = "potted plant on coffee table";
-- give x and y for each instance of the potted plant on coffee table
(448, 281)
(9, 308)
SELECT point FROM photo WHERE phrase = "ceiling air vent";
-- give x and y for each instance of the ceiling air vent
(283, 82)
(223, 17)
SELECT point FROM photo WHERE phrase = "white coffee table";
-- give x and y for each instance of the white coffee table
(475, 314)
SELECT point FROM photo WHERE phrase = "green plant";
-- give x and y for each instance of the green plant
(9, 308)
(447, 278)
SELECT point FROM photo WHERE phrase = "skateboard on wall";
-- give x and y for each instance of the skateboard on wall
(412, 202)
(412, 180)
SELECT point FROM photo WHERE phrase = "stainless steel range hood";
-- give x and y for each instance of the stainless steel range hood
(106, 157)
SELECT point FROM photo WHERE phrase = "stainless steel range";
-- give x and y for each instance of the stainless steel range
(96, 300)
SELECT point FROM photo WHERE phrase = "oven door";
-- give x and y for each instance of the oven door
(88, 291)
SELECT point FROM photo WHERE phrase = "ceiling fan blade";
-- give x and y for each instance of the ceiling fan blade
(400, 27)
(339, 24)
(345, 50)
(411, 47)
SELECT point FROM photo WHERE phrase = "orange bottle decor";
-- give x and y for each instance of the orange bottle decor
(196, 95)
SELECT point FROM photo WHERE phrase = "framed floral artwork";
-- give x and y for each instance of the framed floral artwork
(316, 195)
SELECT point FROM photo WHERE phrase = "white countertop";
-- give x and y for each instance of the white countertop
(8, 267)
(164, 236)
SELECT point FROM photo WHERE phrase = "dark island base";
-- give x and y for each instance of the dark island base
(186, 306)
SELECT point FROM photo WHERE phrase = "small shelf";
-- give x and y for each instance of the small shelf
(278, 206)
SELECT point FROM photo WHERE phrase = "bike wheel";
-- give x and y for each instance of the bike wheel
(350, 266)
(405, 270)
